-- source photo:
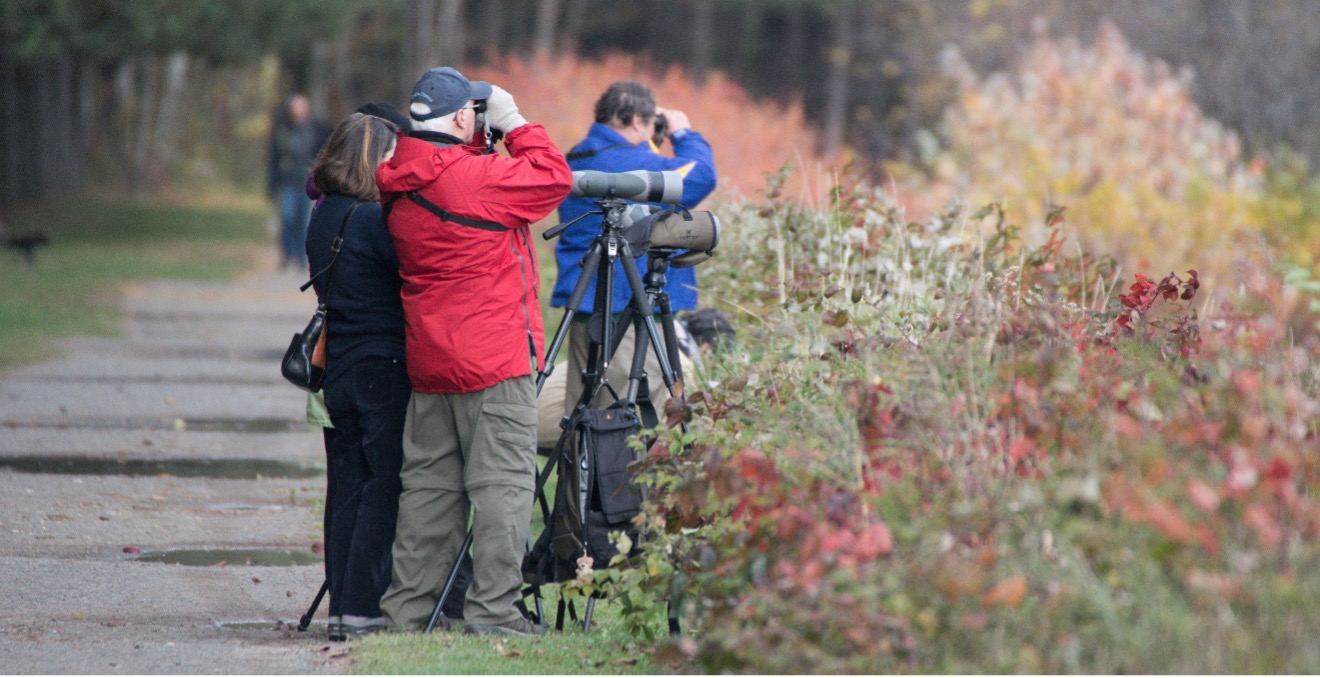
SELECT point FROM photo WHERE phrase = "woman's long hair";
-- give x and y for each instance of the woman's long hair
(347, 164)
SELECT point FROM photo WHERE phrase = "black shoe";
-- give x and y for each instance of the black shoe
(358, 627)
(518, 627)
(335, 630)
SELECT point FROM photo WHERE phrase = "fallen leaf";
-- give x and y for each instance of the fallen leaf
(256, 580)
(132, 550)
(625, 661)
(1009, 592)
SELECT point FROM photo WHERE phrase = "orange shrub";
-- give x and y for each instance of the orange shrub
(750, 138)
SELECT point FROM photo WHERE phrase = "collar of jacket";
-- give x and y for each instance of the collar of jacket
(438, 138)
(606, 134)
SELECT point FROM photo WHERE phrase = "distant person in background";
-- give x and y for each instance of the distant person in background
(295, 139)
(366, 380)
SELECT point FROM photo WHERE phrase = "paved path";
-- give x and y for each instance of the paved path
(194, 378)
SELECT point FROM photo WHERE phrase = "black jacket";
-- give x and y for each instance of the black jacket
(365, 317)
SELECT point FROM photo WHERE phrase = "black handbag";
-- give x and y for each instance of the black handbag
(304, 362)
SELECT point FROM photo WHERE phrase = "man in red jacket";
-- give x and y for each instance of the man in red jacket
(474, 337)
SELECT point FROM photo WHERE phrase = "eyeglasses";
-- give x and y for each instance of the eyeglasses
(477, 107)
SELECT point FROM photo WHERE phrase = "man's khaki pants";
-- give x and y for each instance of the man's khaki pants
(464, 451)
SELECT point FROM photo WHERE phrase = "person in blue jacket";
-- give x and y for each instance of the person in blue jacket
(621, 140)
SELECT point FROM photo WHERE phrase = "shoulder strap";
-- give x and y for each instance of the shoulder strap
(439, 212)
(450, 216)
(583, 155)
(336, 246)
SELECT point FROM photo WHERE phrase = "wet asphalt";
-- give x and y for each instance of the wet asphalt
(169, 443)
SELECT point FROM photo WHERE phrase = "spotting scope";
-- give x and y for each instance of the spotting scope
(637, 186)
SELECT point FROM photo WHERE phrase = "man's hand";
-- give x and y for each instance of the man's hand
(501, 112)
(677, 119)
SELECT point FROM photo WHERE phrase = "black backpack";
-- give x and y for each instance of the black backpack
(602, 488)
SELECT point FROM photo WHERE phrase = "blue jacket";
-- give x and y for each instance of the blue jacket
(693, 158)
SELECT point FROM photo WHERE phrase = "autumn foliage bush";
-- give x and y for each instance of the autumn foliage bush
(938, 448)
(750, 138)
(1113, 135)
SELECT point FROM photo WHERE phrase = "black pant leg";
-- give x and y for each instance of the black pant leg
(381, 394)
(347, 472)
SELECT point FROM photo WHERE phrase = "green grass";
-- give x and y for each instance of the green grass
(607, 649)
(96, 246)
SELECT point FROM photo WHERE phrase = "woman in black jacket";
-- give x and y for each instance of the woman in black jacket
(366, 382)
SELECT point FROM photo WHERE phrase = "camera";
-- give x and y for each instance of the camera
(661, 129)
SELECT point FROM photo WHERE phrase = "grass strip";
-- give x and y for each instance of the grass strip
(607, 649)
(98, 245)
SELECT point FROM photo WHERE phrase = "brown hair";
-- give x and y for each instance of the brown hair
(347, 164)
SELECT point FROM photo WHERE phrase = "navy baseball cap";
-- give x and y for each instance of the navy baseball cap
(441, 91)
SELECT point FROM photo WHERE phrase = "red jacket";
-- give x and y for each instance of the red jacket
(470, 294)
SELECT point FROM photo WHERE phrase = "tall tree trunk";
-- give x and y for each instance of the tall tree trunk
(428, 53)
(494, 14)
(342, 97)
(795, 52)
(9, 119)
(168, 116)
(140, 132)
(702, 40)
(319, 83)
(547, 18)
(570, 38)
(451, 33)
(836, 86)
(750, 25)
(90, 102)
(68, 151)
(47, 136)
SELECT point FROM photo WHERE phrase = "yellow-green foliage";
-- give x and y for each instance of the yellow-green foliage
(1113, 136)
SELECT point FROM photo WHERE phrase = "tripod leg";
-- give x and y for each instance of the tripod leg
(570, 309)
(449, 583)
(559, 614)
(306, 619)
(591, 609)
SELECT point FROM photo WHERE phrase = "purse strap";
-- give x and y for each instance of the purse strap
(336, 246)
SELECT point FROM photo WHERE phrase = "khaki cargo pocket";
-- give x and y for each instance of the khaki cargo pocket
(504, 446)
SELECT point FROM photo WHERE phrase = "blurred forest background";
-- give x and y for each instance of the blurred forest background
(159, 94)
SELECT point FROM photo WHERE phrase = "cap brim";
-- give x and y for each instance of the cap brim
(479, 89)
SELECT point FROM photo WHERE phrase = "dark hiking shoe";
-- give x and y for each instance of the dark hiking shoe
(335, 630)
(518, 627)
(357, 627)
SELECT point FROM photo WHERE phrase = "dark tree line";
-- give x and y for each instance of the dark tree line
(119, 82)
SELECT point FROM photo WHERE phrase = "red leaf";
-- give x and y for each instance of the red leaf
(873, 541)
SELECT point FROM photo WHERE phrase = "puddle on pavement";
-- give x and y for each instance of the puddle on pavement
(212, 557)
(231, 425)
(233, 469)
(282, 625)
(243, 425)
